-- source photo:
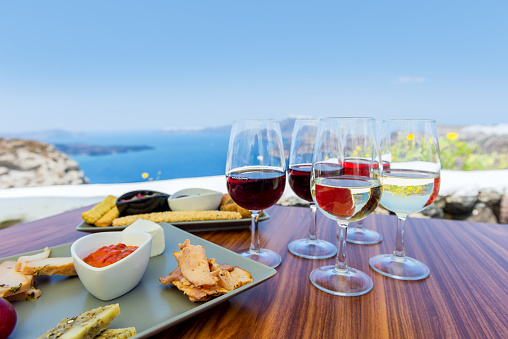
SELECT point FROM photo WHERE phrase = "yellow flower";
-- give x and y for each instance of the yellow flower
(452, 136)
(410, 137)
(430, 140)
(326, 158)
(144, 175)
(355, 152)
(358, 148)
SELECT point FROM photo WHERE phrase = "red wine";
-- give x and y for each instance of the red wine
(299, 180)
(256, 189)
(327, 169)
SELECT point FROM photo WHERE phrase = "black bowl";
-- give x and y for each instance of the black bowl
(154, 202)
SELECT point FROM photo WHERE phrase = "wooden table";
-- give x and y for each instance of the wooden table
(465, 296)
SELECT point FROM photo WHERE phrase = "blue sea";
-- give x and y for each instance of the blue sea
(174, 155)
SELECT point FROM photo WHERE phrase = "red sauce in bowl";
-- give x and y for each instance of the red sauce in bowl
(108, 255)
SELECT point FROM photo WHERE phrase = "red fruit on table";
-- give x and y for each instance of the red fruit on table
(7, 318)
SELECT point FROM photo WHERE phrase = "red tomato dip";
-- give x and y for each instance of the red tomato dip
(108, 255)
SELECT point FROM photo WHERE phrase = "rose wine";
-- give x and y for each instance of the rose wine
(256, 189)
(435, 191)
(299, 180)
(346, 197)
(408, 191)
(358, 167)
(361, 166)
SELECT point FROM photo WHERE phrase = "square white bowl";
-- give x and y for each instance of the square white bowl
(114, 280)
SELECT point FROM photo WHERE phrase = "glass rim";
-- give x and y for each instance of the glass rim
(255, 120)
(422, 120)
(348, 118)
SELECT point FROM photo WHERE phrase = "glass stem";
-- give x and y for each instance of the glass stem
(340, 263)
(312, 228)
(399, 240)
(254, 232)
(359, 224)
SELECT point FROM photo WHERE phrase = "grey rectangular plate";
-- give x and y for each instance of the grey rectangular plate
(190, 226)
(150, 307)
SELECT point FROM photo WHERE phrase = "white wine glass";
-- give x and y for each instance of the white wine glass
(343, 197)
(256, 176)
(409, 185)
(299, 173)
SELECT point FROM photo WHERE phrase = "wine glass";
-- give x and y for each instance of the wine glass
(356, 232)
(300, 165)
(409, 185)
(344, 197)
(256, 176)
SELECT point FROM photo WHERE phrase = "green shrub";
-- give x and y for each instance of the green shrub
(461, 155)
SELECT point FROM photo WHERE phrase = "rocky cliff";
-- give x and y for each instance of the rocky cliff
(25, 163)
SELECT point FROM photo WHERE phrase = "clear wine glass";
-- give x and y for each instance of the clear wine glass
(356, 232)
(256, 176)
(342, 196)
(300, 165)
(409, 185)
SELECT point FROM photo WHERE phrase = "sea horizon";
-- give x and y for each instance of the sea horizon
(169, 154)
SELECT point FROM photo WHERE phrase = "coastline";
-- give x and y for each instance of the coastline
(31, 203)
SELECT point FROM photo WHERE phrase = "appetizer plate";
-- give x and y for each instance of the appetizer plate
(190, 226)
(162, 306)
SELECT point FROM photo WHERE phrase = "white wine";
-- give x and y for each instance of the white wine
(346, 197)
(407, 191)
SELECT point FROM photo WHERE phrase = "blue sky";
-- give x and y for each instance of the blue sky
(123, 65)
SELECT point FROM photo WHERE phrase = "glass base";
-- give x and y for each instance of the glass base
(312, 249)
(362, 236)
(349, 282)
(402, 268)
(263, 256)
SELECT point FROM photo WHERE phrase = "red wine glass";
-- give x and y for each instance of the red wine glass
(300, 166)
(344, 196)
(256, 176)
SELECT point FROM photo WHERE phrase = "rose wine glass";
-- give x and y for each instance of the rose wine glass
(344, 197)
(256, 176)
(300, 165)
(356, 232)
(409, 185)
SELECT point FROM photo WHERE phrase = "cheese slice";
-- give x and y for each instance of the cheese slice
(117, 333)
(86, 325)
(157, 233)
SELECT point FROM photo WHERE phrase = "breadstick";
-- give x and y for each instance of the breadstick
(177, 216)
(107, 219)
(91, 216)
(227, 204)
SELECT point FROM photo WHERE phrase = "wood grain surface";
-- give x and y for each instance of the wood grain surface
(465, 296)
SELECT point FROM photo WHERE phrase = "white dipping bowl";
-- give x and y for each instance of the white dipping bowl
(195, 199)
(114, 280)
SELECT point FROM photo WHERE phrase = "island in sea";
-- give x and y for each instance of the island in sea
(87, 149)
